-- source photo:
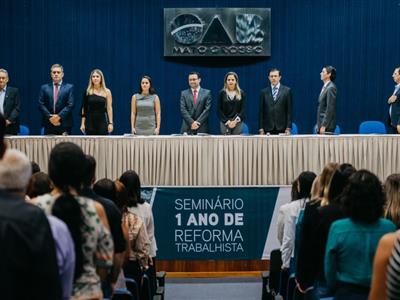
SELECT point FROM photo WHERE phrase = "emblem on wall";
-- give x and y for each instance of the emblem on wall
(217, 31)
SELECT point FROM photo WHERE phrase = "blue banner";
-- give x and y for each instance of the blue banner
(213, 223)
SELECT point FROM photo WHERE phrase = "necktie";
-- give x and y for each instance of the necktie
(55, 96)
(274, 92)
(195, 97)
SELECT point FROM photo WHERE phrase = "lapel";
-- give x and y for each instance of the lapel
(6, 97)
(199, 97)
(270, 97)
(59, 94)
(322, 95)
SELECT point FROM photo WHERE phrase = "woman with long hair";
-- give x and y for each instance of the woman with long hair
(392, 193)
(231, 105)
(96, 110)
(84, 217)
(146, 109)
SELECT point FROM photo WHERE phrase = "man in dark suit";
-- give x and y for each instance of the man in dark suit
(275, 115)
(326, 114)
(56, 101)
(394, 102)
(9, 104)
(195, 106)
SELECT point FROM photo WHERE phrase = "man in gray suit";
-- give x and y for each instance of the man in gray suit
(275, 115)
(9, 104)
(326, 114)
(195, 106)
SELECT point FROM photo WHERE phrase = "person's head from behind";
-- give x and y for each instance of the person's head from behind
(66, 166)
(105, 188)
(336, 187)
(122, 199)
(131, 181)
(347, 170)
(39, 184)
(363, 197)
(325, 180)
(314, 194)
(35, 167)
(15, 171)
(392, 194)
(304, 183)
(89, 171)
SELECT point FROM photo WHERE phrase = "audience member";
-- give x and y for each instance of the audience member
(39, 184)
(35, 167)
(84, 217)
(392, 193)
(114, 218)
(352, 242)
(106, 188)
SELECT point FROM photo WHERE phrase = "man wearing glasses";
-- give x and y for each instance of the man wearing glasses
(56, 101)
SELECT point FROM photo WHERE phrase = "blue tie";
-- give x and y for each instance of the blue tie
(274, 92)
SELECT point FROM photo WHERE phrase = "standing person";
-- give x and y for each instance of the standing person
(326, 114)
(140, 207)
(85, 218)
(29, 266)
(275, 114)
(56, 101)
(146, 109)
(9, 104)
(394, 102)
(231, 105)
(96, 111)
(195, 106)
(352, 242)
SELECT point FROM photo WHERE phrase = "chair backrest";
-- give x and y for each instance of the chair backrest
(372, 127)
(132, 287)
(122, 294)
(23, 130)
(294, 129)
(245, 129)
(146, 288)
(42, 131)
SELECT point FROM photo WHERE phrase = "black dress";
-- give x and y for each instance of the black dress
(94, 109)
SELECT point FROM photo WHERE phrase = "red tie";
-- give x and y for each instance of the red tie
(55, 96)
(195, 96)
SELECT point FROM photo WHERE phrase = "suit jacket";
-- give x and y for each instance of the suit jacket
(326, 114)
(395, 111)
(64, 104)
(198, 112)
(275, 114)
(11, 109)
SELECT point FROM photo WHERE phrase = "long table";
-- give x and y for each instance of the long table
(222, 160)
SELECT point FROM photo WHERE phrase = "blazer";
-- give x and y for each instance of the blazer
(326, 114)
(64, 104)
(11, 108)
(275, 114)
(198, 112)
(395, 111)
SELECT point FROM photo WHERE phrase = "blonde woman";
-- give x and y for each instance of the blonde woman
(146, 109)
(96, 111)
(231, 105)
(392, 194)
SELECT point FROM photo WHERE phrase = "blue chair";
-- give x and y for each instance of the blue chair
(336, 132)
(245, 129)
(42, 131)
(23, 130)
(294, 129)
(122, 294)
(372, 127)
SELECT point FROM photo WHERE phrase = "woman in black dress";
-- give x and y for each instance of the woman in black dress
(231, 105)
(96, 111)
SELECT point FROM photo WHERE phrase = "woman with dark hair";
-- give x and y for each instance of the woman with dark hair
(146, 109)
(106, 188)
(141, 208)
(318, 216)
(289, 213)
(85, 219)
(39, 184)
(352, 242)
(231, 105)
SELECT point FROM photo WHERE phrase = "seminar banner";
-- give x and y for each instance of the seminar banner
(215, 223)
